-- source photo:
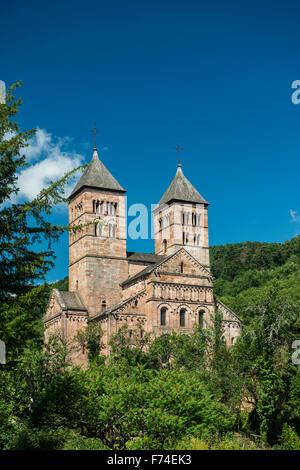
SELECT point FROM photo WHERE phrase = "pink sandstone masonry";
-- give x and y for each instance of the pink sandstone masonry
(169, 290)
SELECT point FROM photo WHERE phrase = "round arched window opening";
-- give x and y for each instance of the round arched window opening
(163, 314)
(201, 317)
(182, 318)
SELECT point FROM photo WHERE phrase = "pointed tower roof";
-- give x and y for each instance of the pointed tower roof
(181, 190)
(97, 176)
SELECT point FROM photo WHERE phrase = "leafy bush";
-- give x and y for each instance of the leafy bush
(77, 442)
(228, 441)
(156, 406)
(289, 439)
(24, 437)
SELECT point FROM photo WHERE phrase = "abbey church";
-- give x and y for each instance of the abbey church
(171, 289)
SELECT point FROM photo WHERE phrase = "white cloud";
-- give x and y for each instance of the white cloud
(50, 162)
(295, 216)
(41, 143)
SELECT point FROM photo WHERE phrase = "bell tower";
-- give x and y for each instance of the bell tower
(97, 250)
(180, 220)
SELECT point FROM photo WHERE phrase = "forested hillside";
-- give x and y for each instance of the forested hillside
(229, 261)
(245, 272)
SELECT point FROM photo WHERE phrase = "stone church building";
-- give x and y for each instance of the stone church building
(171, 289)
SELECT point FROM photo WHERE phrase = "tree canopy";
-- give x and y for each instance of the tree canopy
(24, 225)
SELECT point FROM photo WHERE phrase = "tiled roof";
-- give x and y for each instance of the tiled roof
(97, 176)
(70, 300)
(144, 257)
(181, 190)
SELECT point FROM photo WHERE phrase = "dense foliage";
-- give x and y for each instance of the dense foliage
(162, 393)
(229, 261)
(171, 392)
(24, 228)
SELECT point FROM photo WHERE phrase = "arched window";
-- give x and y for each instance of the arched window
(200, 317)
(103, 305)
(182, 318)
(165, 246)
(232, 340)
(98, 229)
(181, 267)
(163, 316)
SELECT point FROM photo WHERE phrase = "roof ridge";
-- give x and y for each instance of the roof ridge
(146, 270)
(150, 268)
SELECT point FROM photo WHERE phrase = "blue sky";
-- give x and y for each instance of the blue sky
(215, 76)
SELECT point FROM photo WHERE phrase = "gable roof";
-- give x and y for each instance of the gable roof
(181, 190)
(97, 176)
(144, 257)
(70, 300)
(152, 267)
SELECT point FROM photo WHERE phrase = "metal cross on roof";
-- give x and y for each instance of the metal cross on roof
(178, 148)
(95, 132)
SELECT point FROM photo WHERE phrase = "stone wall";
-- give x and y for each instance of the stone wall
(98, 259)
(180, 224)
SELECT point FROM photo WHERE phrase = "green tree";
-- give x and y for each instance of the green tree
(263, 358)
(129, 347)
(90, 339)
(23, 226)
(148, 406)
(25, 387)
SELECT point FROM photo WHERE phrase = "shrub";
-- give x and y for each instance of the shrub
(25, 437)
(289, 439)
